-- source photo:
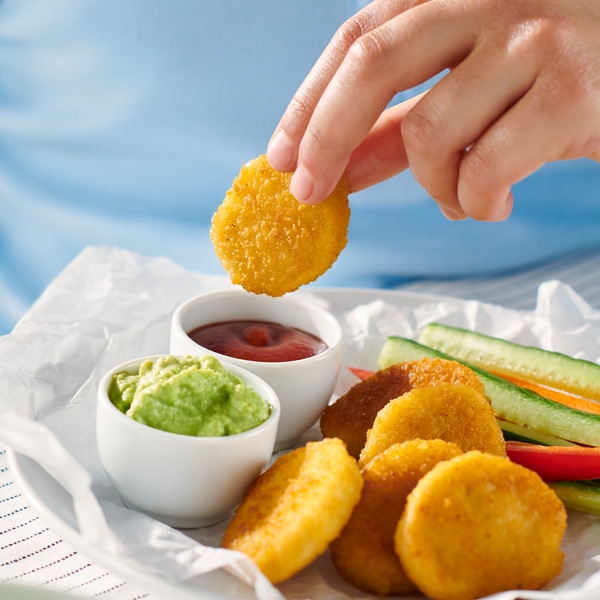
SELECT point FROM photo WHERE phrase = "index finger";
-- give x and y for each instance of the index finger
(405, 51)
(282, 150)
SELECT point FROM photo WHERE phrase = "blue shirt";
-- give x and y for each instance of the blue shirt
(124, 123)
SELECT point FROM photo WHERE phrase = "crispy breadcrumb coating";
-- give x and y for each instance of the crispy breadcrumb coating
(293, 511)
(455, 413)
(478, 524)
(269, 242)
(352, 415)
(364, 554)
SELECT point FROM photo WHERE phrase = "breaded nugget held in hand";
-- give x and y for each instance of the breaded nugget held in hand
(352, 415)
(455, 413)
(480, 524)
(270, 243)
(296, 508)
(364, 554)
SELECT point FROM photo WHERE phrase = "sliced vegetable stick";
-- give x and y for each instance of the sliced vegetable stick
(583, 496)
(565, 398)
(362, 374)
(511, 430)
(517, 433)
(557, 463)
(552, 369)
(572, 400)
(510, 402)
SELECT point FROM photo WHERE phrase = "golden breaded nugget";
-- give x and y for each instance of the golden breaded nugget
(455, 413)
(352, 415)
(479, 524)
(429, 372)
(292, 512)
(270, 243)
(364, 554)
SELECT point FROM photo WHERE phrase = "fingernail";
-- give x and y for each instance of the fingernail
(280, 152)
(302, 184)
(450, 214)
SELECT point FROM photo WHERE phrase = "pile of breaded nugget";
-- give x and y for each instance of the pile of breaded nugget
(411, 490)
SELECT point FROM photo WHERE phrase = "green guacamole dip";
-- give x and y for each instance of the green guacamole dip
(188, 395)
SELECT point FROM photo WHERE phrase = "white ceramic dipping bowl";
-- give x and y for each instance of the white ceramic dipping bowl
(304, 386)
(184, 481)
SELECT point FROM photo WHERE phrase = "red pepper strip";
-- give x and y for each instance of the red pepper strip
(557, 463)
(361, 373)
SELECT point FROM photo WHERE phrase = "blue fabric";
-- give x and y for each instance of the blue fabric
(124, 123)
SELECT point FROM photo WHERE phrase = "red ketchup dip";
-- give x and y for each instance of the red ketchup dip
(262, 341)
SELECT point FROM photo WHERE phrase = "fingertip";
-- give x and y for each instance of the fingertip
(491, 209)
(302, 185)
(451, 214)
(309, 189)
(505, 209)
(281, 152)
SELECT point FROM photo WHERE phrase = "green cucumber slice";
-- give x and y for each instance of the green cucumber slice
(510, 402)
(518, 433)
(399, 349)
(499, 356)
(583, 496)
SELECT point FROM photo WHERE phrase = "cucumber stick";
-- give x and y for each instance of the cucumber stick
(510, 402)
(532, 436)
(583, 496)
(528, 363)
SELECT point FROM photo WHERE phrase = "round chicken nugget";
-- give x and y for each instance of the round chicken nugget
(353, 413)
(364, 553)
(270, 243)
(455, 413)
(428, 372)
(479, 524)
(292, 512)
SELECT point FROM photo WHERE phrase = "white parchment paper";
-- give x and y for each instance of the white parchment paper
(110, 305)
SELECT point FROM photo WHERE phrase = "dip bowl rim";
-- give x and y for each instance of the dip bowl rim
(249, 378)
(185, 481)
(304, 386)
(333, 345)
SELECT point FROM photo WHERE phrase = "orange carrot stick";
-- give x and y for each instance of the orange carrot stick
(566, 398)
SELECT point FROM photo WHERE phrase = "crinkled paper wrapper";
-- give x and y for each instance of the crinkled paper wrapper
(109, 306)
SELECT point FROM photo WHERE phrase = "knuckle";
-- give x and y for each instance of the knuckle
(352, 30)
(370, 51)
(476, 168)
(477, 183)
(421, 132)
(325, 141)
(300, 108)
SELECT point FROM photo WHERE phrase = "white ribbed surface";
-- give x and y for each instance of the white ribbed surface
(33, 555)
